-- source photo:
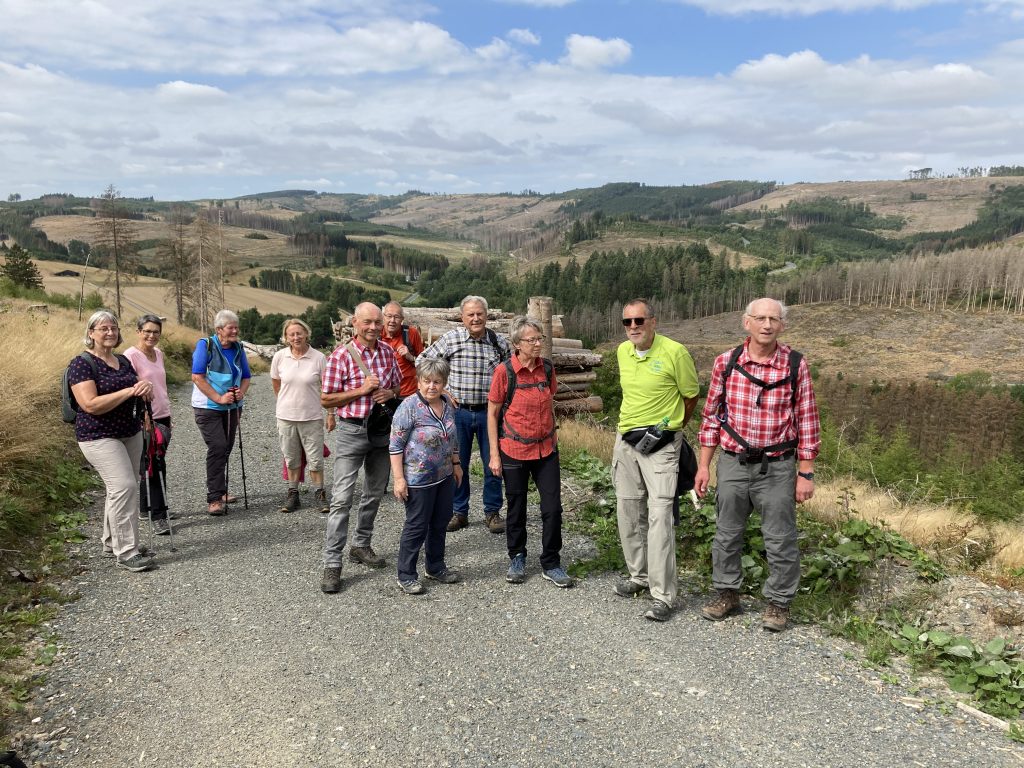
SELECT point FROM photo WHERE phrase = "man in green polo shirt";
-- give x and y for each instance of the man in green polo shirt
(658, 381)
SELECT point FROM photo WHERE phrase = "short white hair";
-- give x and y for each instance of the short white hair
(224, 317)
(473, 300)
(783, 309)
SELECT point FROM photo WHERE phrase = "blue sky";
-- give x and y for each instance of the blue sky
(184, 99)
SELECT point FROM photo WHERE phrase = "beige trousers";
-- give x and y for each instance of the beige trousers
(645, 487)
(117, 462)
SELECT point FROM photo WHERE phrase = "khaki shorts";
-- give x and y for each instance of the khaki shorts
(299, 436)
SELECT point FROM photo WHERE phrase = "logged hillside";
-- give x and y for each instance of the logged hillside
(877, 343)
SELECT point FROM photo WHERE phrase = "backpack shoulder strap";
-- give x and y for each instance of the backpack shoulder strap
(492, 339)
(353, 352)
(733, 358)
(405, 334)
(794, 373)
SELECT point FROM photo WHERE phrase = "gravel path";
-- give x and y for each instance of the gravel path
(229, 655)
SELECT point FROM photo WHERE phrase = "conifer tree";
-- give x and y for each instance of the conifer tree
(20, 270)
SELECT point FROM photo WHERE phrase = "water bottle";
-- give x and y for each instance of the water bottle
(652, 436)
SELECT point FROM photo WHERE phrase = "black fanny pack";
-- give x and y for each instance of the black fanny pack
(634, 436)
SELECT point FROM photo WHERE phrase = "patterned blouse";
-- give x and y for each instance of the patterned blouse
(119, 422)
(426, 442)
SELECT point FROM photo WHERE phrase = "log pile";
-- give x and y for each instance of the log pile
(574, 365)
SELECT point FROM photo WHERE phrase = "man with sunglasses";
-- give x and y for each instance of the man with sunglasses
(762, 412)
(659, 381)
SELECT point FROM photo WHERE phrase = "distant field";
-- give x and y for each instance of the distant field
(149, 294)
(950, 203)
(871, 343)
(455, 250)
(455, 213)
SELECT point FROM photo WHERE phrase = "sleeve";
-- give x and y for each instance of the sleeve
(709, 436)
(808, 425)
(200, 358)
(132, 354)
(499, 385)
(78, 371)
(275, 365)
(244, 362)
(333, 375)
(686, 375)
(402, 425)
(415, 341)
(439, 349)
(554, 380)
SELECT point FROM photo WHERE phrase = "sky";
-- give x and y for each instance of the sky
(188, 99)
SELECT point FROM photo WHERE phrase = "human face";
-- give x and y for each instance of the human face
(149, 335)
(105, 335)
(529, 345)
(764, 323)
(474, 317)
(393, 318)
(367, 323)
(228, 334)
(642, 336)
(430, 387)
(296, 337)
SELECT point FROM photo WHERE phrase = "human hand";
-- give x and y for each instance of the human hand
(458, 474)
(804, 489)
(331, 422)
(382, 395)
(701, 480)
(371, 384)
(494, 464)
(402, 351)
(401, 489)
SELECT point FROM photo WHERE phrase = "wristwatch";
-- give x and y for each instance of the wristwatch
(807, 475)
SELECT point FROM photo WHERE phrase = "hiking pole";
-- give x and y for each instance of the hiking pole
(241, 454)
(144, 477)
(170, 528)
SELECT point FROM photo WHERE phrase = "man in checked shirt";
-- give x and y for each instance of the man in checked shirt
(770, 436)
(473, 352)
(348, 389)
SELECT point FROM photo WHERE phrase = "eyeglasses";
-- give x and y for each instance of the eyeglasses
(637, 321)
(107, 329)
(394, 317)
(761, 319)
(536, 340)
(150, 333)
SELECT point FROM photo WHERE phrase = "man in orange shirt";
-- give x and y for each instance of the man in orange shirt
(406, 342)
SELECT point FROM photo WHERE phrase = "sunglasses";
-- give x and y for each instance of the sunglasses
(637, 321)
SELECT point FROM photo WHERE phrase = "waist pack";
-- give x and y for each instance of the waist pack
(378, 423)
(634, 436)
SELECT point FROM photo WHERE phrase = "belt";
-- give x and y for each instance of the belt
(353, 420)
(475, 408)
(759, 457)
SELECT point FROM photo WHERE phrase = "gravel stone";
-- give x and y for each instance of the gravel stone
(229, 655)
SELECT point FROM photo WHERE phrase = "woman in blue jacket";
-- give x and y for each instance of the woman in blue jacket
(220, 379)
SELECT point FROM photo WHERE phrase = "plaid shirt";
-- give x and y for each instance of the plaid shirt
(776, 421)
(472, 363)
(343, 374)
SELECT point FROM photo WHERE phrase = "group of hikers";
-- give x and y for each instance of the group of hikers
(410, 414)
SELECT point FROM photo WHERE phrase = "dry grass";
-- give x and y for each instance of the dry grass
(452, 249)
(597, 440)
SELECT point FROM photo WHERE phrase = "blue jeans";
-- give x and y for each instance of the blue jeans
(470, 423)
(352, 452)
(427, 512)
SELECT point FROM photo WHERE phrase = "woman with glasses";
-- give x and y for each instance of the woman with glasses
(108, 429)
(148, 361)
(527, 447)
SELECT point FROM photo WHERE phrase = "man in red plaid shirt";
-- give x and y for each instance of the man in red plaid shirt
(770, 436)
(354, 393)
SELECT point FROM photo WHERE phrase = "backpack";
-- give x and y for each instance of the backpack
(513, 385)
(68, 406)
(723, 412)
(405, 334)
(492, 339)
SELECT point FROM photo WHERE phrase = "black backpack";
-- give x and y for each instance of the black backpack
(513, 385)
(68, 406)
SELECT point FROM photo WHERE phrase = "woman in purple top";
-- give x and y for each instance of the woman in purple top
(109, 432)
(148, 361)
(425, 465)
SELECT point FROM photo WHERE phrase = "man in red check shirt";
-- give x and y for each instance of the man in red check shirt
(770, 437)
(354, 393)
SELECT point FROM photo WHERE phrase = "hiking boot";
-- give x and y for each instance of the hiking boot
(136, 563)
(228, 498)
(331, 581)
(143, 550)
(659, 611)
(517, 570)
(445, 576)
(457, 522)
(558, 577)
(775, 617)
(320, 501)
(366, 556)
(411, 587)
(629, 588)
(292, 503)
(217, 508)
(161, 528)
(722, 607)
(495, 524)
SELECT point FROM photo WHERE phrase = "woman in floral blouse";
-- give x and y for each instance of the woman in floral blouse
(425, 463)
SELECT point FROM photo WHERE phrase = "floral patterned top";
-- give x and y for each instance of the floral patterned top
(427, 443)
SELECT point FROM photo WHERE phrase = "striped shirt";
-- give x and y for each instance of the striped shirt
(776, 420)
(472, 363)
(343, 374)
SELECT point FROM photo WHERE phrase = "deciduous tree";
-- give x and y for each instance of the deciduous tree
(117, 235)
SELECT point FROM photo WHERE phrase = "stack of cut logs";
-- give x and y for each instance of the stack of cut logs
(574, 365)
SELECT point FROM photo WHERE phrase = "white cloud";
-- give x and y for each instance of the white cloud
(496, 50)
(540, 3)
(523, 37)
(179, 90)
(804, 7)
(586, 52)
